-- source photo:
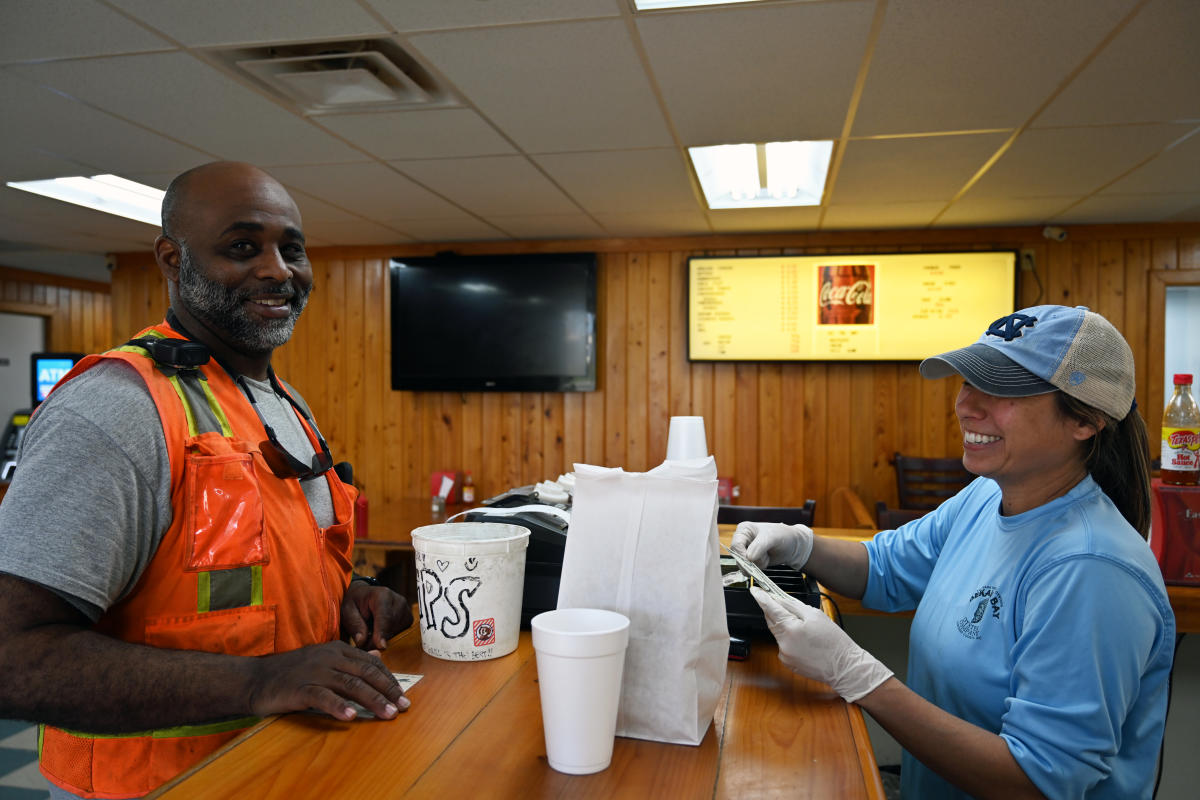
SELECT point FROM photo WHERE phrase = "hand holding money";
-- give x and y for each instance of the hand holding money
(812, 645)
(771, 543)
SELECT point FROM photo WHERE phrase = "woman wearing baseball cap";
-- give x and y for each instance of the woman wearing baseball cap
(1043, 638)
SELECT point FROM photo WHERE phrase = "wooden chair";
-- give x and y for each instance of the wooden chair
(849, 511)
(888, 518)
(789, 515)
(922, 484)
(927, 482)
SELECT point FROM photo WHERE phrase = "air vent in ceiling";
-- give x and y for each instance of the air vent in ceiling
(342, 77)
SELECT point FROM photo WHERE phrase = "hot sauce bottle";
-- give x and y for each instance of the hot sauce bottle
(1181, 436)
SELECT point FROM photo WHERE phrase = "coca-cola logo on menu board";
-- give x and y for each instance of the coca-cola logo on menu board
(856, 294)
(846, 294)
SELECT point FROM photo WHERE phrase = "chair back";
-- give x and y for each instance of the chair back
(788, 515)
(889, 518)
(924, 483)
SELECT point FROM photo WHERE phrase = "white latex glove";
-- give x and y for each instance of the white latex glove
(771, 543)
(813, 645)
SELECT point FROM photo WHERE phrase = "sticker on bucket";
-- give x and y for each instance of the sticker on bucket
(485, 632)
(470, 577)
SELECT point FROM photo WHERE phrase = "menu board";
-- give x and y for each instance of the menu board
(861, 307)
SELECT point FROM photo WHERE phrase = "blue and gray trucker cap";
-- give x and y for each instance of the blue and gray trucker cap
(1043, 348)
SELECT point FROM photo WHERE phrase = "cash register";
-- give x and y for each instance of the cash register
(547, 525)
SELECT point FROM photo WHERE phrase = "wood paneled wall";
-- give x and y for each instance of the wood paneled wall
(78, 313)
(784, 432)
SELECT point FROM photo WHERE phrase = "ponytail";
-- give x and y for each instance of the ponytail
(1118, 459)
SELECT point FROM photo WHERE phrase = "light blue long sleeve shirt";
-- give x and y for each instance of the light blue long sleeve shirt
(1051, 628)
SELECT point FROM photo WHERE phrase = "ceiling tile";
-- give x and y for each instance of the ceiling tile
(25, 163)
(561, 132)
(486, 186)
(51, 123)
(555, 87)
(946, 65)
(880, 215)
(57, 235)
(1130, 208)
(1176, 170)
(1004, 211)
(37, 30)
(368, 189)
(191, 102)
(23, 208)
(757, 73)
(456, 229)
(435, 133)
(229, 22)
(1147, 74)
(653, 223)
(733, 220)
(549, 226)
(1071, 160)
(623, 181)
(314, 210)
(407, 15)
(357, 231)
(908, 170)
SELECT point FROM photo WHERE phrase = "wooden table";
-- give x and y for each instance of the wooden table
(475, 730)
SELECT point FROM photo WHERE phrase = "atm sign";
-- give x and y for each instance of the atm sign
(50, 372)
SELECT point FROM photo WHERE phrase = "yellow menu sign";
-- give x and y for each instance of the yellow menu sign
(885, 307)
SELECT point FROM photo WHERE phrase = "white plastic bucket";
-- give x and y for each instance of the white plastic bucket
(470, 576)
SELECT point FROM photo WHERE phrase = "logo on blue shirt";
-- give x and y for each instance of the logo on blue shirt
(985, 597)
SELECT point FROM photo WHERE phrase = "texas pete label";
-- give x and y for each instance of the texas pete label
(1180, 449)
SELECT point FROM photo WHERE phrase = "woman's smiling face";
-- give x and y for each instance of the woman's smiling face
(1025, 444)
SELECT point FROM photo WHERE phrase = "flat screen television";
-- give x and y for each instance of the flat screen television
(844, 307)
(511, 323)
(47, 369)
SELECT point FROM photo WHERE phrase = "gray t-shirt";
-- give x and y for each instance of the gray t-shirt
(91, 495)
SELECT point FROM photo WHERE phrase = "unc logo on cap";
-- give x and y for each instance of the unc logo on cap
(1009, 328)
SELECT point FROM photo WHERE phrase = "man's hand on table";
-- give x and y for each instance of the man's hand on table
(323, 677)
(812, 645)
(373, 614)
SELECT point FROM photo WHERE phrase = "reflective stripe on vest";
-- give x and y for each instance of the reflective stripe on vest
(204, 413)
(204, 729)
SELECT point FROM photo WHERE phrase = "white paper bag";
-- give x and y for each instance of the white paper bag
(645, 545)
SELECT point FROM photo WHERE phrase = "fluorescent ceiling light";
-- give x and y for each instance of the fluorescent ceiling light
(107, 193)
(762, 175)
(651, 5)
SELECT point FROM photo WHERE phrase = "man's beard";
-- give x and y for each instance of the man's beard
(224, 308)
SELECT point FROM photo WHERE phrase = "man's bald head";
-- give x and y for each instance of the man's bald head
(199, 184)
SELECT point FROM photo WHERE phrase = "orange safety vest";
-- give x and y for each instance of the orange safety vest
(244, 570)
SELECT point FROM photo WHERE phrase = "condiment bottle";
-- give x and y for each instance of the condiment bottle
(1181, 436)
(468, 489)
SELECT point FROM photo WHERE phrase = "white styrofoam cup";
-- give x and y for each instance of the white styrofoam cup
(580, 660)
(686, 439)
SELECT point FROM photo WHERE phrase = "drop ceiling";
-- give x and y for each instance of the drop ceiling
(560, 119)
